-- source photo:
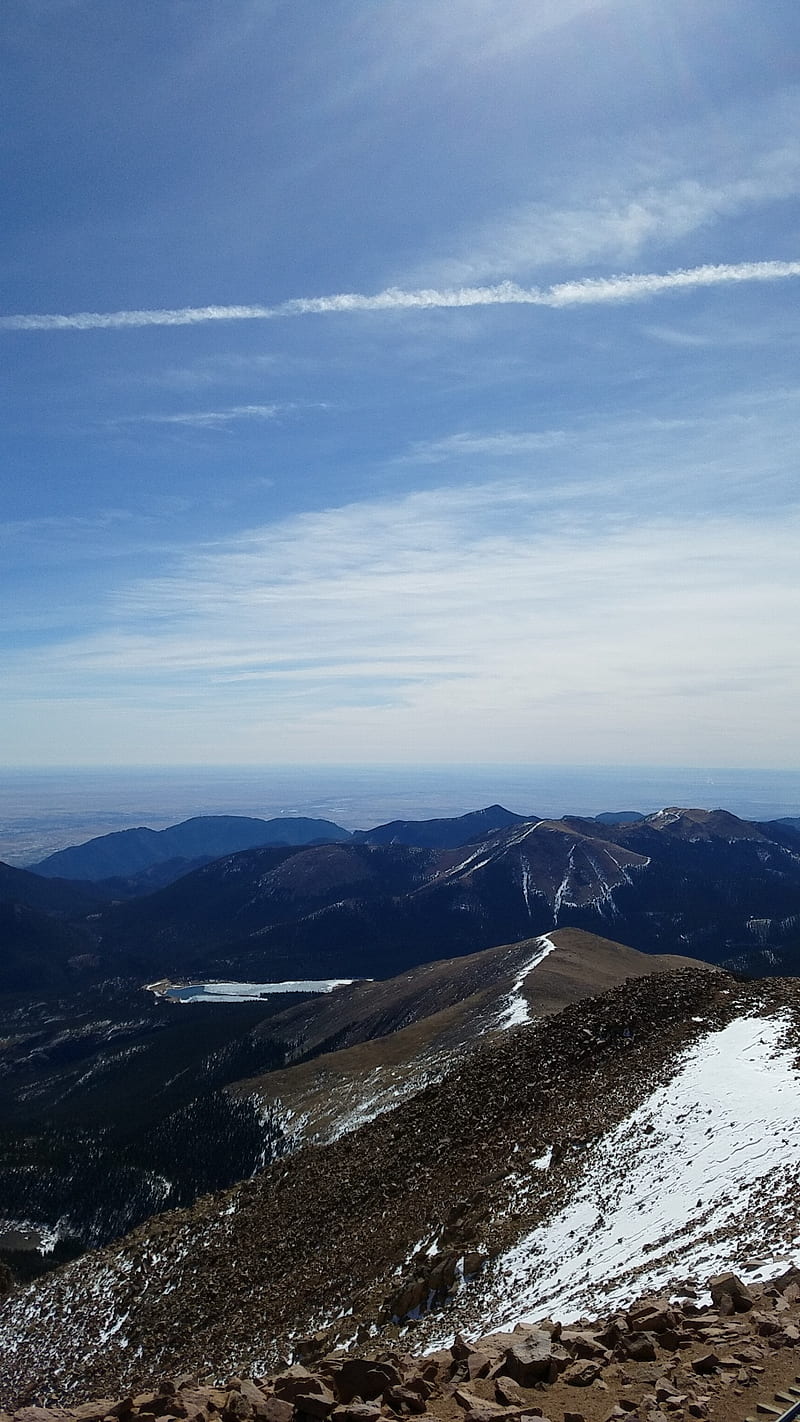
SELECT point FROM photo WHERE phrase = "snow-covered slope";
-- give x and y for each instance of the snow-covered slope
(700, 1177)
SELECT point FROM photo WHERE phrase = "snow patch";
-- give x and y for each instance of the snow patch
(670, 1189)
(516, 1010)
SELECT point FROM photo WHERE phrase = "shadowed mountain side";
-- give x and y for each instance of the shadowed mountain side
(56, 896)
(697, 880)
(386, 1040)
(444, 833)
(128, 852)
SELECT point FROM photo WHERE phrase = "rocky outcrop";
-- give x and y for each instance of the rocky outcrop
(696, 1359)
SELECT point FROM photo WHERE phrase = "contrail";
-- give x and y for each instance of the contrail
(589, 291)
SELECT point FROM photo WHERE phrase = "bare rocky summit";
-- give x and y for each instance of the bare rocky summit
(658, 1360)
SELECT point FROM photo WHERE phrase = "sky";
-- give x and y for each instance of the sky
(399, 381)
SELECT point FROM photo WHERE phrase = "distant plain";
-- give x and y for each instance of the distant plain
(44, 810)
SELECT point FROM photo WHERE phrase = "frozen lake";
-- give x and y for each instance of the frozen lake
(246, 992)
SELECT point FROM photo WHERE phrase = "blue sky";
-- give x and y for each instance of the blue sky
(400, 380)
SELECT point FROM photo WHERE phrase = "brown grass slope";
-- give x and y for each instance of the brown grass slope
(396, 1036)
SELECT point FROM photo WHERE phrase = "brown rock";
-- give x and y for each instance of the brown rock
(359, 1377)
(484, 1411)
(508, 1392)
(614, 1330)
(574, 1417)
(582, 1344)
(496, 1344)
(473, 1263)
(237, 1408)
(420, 1384)
(651, 1317)
(294, 1380)
(316, 1401)
(406, 1399)
(706, 1363)
(475, 1365)
(638, 1346)
(276, 1410)
(730, 1294)
(93, 1411)
(582, 1374)
(41, 1414)
(357, 1412)
(254, 1396)
(533, 1358)
(195, 1400)
(311, 1348)
(790, 1276)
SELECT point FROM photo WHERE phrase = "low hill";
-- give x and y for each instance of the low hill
(128, 852)
(634, 1140)
(55, 896)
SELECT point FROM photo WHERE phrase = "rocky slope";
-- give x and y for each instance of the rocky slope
(629, 1142)
(103, 1094)
(657, 1359)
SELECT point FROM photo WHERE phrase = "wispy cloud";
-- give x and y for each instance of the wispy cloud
(440, 614)
(213, 419)
(502, 445)
(588, 291)
(617, 224)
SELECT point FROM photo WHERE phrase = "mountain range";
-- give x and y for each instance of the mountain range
(695, 881)
(702, 882)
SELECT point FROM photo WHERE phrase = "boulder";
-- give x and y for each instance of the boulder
(640, 1347)
(237, 1408)
(294, 1380)
(582, 1374)
(276, 1410)
(359, 1377)
(582, 1344)
(94, 1411)
(316, 1401)
(706, 1363)
(533, 1358)
(651, 1316)
(730, 1294)
(508, 1393)
(789, 1276)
